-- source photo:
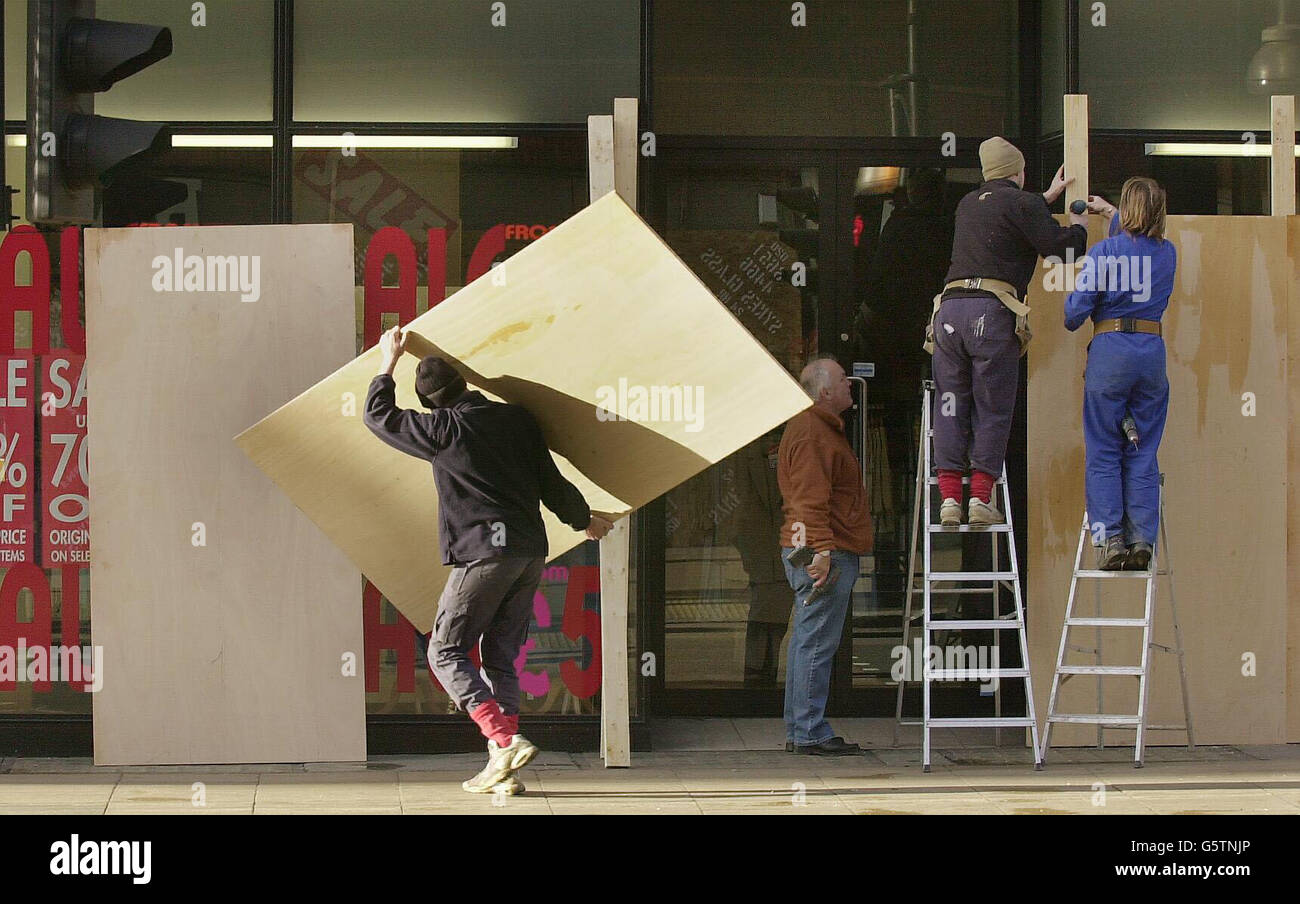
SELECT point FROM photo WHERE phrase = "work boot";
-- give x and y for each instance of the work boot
(503, 763)
(1139, 557)
(983, 513)
(950, 513)
(1113, 555)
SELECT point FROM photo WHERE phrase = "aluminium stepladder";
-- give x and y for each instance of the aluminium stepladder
(1142, 671)
(925, 525)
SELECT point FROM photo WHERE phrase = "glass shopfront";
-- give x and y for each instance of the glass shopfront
(806, 171)
(837, 251)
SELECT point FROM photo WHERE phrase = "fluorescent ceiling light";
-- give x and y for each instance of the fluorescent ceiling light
(222, 141)
(1225, 149)
(187, 141)
(449, 142)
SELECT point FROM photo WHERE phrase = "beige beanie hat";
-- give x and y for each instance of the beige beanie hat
(1000, 159)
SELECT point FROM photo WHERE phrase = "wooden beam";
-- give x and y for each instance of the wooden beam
(1076, 148)
(616, 745)
(626, 147)
(615, 548)
(1282, 182)
(600, 155)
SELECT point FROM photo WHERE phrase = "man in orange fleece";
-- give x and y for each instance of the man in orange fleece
(825, 508)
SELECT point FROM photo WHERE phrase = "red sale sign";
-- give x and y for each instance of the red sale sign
(17, 425)
(66, 534)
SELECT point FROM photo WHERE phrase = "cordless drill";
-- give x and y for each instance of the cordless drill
(801, 557)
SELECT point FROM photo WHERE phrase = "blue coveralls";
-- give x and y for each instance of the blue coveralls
(1125, 375)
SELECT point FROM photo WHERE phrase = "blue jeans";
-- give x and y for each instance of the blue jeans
(813, 641)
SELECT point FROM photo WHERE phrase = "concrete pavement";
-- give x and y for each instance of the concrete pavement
(699, 766)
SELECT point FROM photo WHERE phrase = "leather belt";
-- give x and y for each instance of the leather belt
(1004, 291)
(1000, 289)
(1126, 325)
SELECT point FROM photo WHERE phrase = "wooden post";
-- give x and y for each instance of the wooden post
(612, 148)
(1282, 183)
(615, 735)
(1282, 192)
(600, 155)
(626, 149)
(1076, 148)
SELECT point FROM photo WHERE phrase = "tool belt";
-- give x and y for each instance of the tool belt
(1126, 325)
(1003, 291)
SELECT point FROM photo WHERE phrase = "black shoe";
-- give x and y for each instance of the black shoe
(1114, 556)
(1139, 557)
(833, 747)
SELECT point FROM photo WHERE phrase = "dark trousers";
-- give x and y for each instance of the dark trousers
(976, 377)
(762, 652)
(491, 600)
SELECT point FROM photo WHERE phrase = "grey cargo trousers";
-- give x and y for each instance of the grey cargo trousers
(491, 599)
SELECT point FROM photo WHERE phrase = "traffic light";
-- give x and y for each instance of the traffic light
(70, 151)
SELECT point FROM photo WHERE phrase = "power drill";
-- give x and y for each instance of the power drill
(1130, 429)
(801, 557)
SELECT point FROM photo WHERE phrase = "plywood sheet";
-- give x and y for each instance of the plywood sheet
(223, 613)
(596, 308)
(1226, 479)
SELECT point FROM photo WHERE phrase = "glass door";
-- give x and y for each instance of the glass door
(750, 224)
(895, 229)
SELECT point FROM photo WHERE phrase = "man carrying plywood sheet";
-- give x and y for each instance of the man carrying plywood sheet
(492, 468)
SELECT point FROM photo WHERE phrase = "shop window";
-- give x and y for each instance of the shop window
(450, 61)
(744, 67)
(1173, 64)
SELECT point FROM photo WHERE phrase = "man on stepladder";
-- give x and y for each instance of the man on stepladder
(980, 324)
(492, 468)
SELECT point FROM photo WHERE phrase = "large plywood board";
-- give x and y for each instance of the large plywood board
(1226, 493)
(594, 309)
(224, 614)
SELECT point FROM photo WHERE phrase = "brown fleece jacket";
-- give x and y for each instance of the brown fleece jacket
(821, 485)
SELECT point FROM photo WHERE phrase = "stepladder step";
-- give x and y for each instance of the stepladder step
(1095, 718)
(973, 674)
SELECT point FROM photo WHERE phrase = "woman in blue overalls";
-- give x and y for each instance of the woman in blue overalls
(1124, 289)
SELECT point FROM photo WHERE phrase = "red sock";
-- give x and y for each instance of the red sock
(513, 723)
(981, 486)
(494, 725)
(950, 484)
